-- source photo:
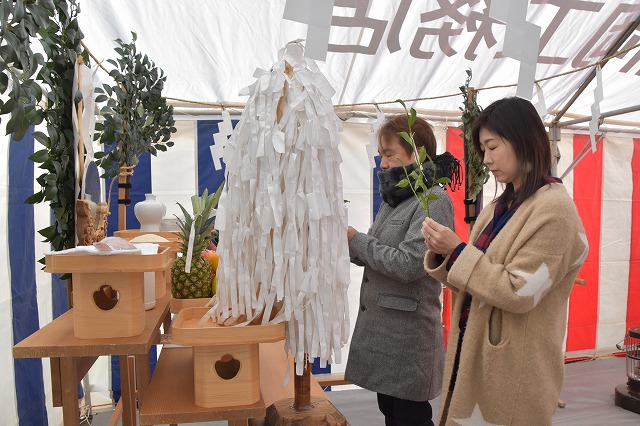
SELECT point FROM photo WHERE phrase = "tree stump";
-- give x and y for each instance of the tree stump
(322, 412)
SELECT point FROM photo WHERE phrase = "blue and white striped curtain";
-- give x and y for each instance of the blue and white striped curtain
(31, 298)
(158, 175)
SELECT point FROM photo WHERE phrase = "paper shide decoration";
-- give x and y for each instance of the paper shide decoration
(372, 146)
(225, 129)
(282, 220)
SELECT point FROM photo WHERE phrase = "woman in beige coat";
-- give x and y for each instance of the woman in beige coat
(504, 364)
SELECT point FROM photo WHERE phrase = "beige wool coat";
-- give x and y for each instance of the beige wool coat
(511, 362)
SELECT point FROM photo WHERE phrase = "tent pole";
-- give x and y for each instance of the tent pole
(630, 29)
(604, 129)
(554, 137)
(602, 116)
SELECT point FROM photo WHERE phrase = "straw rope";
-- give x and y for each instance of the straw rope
(374, 103)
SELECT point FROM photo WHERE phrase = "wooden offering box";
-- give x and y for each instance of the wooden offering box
(162, 282)
(173, 244)
(226, 363)
(108, 290)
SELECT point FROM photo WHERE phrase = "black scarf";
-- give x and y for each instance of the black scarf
(446, 165)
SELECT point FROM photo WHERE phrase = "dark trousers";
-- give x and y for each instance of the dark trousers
(402, 412)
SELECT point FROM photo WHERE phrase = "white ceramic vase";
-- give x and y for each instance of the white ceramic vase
(150, 213)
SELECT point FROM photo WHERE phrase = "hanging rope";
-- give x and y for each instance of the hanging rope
(238, 105)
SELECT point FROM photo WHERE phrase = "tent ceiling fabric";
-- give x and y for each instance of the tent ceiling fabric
(210, 49)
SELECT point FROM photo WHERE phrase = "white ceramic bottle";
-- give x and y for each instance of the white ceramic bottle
(150, 213)
(149, 290)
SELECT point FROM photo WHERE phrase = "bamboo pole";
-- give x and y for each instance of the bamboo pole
(81, 153)
(79, 111)
(124, 195)
(301, 384)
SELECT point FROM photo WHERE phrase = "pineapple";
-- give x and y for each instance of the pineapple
(196, 283)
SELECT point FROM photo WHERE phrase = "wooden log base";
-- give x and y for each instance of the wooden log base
(282, 413)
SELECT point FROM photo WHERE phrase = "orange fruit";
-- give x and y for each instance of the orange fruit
(214, 257)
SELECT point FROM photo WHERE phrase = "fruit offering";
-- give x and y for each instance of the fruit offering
(197, 282)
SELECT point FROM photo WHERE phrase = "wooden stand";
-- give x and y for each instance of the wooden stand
(226, 363)
(170, 396)
(179, 304)
(108, 296)
(174, 248)
(71, 358)
(323, 412)
(108, 305)
(303, 409)
(226, 375)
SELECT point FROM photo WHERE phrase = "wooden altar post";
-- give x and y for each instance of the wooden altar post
(124, 195)
(302, 388)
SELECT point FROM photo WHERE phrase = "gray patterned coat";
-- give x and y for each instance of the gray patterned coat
(397, 346)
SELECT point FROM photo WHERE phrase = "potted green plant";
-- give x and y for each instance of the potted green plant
(136, 118)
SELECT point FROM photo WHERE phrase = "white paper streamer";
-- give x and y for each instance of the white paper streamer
(282, 222)
(598, 95)
(541, 105)
(317, 14)
(372, 146)
(192, 235)
(521, 41)
(225, 129)
(217, 152)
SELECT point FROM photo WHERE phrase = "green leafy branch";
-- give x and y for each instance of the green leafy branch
(136, 117)
(477, 171)
(58, 31)
(21, 21)
(418, 187)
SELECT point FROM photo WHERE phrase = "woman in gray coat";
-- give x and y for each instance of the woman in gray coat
(397, 348)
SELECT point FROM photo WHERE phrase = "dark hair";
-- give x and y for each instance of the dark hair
(517, 121)
(422, 133)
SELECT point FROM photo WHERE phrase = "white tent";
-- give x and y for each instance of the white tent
(378, 51)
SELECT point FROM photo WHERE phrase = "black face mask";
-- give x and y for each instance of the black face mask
(393, 195)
